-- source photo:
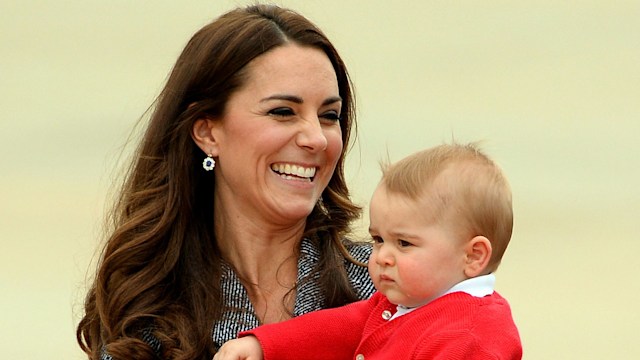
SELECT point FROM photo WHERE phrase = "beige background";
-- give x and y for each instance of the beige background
(552, 87)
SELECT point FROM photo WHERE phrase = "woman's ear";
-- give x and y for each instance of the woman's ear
(203, 134)
(477, 256)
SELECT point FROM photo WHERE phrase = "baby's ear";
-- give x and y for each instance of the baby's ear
(477, 256)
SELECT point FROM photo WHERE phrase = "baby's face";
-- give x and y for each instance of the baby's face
(414, 259)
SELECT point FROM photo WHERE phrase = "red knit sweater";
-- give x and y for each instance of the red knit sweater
(455, 326)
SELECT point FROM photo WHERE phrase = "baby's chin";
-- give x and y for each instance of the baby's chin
(404, 300)
(394, 297)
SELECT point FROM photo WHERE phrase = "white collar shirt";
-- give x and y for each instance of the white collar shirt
(478, 286)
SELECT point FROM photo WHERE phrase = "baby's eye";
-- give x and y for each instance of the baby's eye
(377, 239)
(404, 243)
(281, 111)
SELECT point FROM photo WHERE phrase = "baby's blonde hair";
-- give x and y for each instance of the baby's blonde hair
(461, 186)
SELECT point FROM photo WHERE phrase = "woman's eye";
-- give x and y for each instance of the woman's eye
(331, 115)
(283, 111)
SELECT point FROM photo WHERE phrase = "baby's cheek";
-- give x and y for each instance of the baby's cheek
(411, 274)
(371, 267)
(414, 283)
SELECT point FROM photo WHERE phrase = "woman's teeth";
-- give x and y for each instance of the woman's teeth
(290, 172)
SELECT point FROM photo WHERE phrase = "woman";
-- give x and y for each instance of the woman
(253, 234)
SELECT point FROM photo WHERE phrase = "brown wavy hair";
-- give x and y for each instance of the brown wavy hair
(160, 268)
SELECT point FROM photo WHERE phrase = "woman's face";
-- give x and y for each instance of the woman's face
(279, 139)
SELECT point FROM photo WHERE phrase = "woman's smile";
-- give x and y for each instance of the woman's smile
(294, 172)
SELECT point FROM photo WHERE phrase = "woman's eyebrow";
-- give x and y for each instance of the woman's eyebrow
(292, 98)
(298, 100)
(332, 100)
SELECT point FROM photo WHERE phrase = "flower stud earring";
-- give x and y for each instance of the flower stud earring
(208, 163)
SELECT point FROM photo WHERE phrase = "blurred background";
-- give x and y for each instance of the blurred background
(551, 87)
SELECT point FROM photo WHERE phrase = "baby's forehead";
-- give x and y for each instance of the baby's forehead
(426, 201)
(433, 183)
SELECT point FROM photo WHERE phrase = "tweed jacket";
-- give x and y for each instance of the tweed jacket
(309, 296)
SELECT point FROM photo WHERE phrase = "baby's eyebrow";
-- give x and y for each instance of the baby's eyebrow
(402, 235)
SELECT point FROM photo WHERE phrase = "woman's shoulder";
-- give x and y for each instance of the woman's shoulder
(358, 274)
(356, 271)
(359, 250)
(145, 335)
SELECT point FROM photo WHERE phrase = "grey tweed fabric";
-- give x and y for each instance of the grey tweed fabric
(309, 296)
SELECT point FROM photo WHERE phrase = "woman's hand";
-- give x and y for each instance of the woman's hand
(246, 348)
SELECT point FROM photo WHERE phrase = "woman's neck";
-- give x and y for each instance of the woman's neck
(261, 261)
(262, 255)
(266, 263)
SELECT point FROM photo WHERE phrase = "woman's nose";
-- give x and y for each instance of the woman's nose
(311, 135)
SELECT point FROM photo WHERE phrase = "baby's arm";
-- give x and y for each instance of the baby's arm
(324, 334)
(246, 348)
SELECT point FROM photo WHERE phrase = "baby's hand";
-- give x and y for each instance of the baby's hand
(246, 348)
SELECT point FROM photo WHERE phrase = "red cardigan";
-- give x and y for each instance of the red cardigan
(454, 326)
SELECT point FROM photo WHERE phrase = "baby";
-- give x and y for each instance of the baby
(440, 220)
